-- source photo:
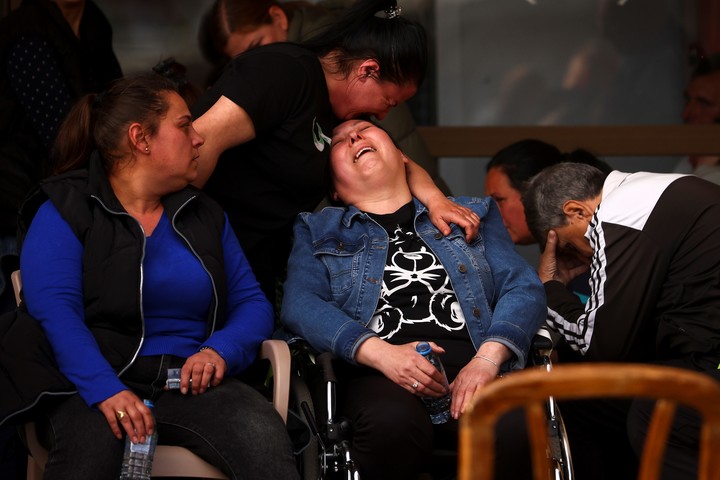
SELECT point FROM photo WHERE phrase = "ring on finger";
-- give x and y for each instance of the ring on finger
(212, 365)
(415, 385)
(120, 414)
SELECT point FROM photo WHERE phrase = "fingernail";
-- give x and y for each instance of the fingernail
(183, 390)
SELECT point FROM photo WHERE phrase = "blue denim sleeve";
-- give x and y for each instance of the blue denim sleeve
(309, 309)
(520, 305)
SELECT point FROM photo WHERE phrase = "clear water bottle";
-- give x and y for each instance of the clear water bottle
(437, 407)
(138, 457)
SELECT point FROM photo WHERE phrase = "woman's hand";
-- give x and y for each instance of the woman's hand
(202, 370)
(482, 369)
(475, 375)
(126, 411)
(443, 212)
(403, 365)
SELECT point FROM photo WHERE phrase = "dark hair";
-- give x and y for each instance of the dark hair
(177, 73)
(227, 16)
(99, 121)
(399, 45)
(213, 36)
(522, 160)
(547, 192)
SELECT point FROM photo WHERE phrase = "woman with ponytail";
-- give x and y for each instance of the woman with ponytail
(268, 118)
(128, 271)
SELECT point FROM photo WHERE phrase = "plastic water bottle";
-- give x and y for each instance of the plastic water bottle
(138, 457)
(437, 407)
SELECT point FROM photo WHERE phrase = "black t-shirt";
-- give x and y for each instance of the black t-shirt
(417, 300)
(263, 184)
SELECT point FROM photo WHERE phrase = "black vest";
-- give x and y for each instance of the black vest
(112, 259)
(113, 249)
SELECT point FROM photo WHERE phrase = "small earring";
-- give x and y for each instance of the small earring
(147, 149)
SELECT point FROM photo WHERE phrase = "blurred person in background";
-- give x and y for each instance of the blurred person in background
(702, 107)
(52, 52)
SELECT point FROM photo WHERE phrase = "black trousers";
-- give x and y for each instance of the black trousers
(232, 426)
(393, 438)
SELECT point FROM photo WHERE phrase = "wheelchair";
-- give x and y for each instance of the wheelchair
(559, 456)
(328, 457)
(312, 387)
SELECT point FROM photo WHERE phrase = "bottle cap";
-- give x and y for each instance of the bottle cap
(149, 403)
(423, 348)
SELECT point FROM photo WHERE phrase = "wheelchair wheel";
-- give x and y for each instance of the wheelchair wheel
(309, 459)
(350, 471)
(559, 448)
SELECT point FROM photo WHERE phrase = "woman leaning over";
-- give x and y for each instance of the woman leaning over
(267, 122)
(130, 271)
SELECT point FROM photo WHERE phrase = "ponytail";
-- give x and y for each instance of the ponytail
(100, 122)
(74, 140)
(375, 29)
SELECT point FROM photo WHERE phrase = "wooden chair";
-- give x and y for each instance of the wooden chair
(172, 461)
(530, 388)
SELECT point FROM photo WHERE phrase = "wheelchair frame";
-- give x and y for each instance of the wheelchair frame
(328, 454)
(559, 456)
(327, 457)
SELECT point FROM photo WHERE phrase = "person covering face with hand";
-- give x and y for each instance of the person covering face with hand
(368, 281)
(652, 243)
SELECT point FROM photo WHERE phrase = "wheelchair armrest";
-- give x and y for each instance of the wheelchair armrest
(278, 353)
(325, 360)
(542, 345)
(541, 342)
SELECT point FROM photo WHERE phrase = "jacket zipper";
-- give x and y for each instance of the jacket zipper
(212, 280)
(142, 260)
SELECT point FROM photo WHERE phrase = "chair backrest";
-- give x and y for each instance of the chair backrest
(173, 461)
(530, 388)
(17, 285)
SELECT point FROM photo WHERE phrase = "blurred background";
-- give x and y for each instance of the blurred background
(499, 62)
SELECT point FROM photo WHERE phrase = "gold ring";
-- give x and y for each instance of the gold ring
(120, 415)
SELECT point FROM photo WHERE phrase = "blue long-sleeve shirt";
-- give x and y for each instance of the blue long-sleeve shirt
(177, 293)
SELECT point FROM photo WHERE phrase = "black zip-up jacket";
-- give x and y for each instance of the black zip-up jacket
(112, 279)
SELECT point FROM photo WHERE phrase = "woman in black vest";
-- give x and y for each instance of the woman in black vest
(130, 271)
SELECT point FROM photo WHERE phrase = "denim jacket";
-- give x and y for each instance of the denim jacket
(335, 274)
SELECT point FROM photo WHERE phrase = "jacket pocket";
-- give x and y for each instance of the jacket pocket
(342, 260)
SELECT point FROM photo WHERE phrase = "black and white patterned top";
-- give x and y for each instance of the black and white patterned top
(417, 300)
